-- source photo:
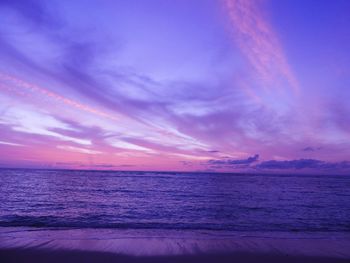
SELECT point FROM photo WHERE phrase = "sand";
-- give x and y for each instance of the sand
(107, 245)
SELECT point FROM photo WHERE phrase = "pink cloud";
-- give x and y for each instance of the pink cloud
(259, 43)
(24, 88)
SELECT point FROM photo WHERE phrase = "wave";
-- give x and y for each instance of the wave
(98, 222)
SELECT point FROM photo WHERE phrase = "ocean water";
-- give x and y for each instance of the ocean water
(174, 201)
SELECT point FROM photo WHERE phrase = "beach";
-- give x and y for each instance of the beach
(85, 216)
(107, 245)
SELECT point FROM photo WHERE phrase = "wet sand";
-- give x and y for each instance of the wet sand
(108, 245)
(70, 256)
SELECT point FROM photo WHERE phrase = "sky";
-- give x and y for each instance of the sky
(176, 85)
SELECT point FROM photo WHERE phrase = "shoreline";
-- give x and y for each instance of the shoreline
(60, 255)
(22, 244)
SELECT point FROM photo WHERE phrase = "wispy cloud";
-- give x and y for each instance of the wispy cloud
(259, 43)
(27, 89)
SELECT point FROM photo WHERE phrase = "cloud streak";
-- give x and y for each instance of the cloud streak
(25, 89)
(258, 43)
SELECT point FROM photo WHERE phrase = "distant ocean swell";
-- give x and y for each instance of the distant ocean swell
(221, 202)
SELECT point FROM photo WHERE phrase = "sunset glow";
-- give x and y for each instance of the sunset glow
(190, 85)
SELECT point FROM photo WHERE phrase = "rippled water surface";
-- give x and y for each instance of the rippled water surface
(144, 200)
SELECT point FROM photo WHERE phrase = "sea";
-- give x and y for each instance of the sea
(174, 201)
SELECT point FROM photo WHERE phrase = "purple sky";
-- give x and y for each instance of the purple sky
(209, 85)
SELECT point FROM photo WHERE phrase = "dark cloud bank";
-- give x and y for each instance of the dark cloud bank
(299, 164)
(311, 149)
(233, 162)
